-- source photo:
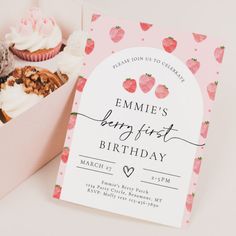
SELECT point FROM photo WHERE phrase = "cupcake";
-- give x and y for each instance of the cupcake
(6, 67)
(69, 61)
(24, 88)
(35, 38)
(6, 61)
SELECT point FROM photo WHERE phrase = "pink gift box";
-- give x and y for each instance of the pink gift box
(31, 140)
(35, 137)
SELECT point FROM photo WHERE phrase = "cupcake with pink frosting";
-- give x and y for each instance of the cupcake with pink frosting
(35, 38)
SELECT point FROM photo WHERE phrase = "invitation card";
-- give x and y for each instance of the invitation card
(140, 120)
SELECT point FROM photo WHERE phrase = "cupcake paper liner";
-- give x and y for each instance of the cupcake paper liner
(4, 117)
(40, 55)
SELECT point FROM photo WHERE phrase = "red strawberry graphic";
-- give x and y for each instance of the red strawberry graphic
(65, 154)
(211, 90)
(72, 120)
(89, 46)
(199, 37)
(169, 44)
(145, 26)
(81, 83)
(193, 65)
(95, 17)
(189, 202)
(116, 34)
(57, 191)
(204, 129)
(161, 91)
(146, 82)
(197, 165)
(219, 54)
(130, 85)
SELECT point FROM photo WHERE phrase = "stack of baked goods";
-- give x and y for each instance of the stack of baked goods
(23, 81)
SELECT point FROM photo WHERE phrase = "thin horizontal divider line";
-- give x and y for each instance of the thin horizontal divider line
(146, 182)
(94, 170)
(161, 172)
(97, 159)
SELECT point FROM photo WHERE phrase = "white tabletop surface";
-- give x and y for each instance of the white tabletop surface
(29, 210)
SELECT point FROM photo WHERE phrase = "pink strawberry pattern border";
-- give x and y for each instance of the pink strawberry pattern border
(201, 54)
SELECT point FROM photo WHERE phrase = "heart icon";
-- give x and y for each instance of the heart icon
(128, 171)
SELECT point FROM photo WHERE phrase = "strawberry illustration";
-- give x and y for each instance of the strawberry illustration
(72, 120)
(95, 17)
(211, 90)
(219, 54)
(81, 83)
(57, 191)
(116, 34)
(204, 129)
(189, 202)
(197, 165)
(199, 37)
(169, 44)
(161, 91)
(145, 26)
(65, 154)
(89, 46)
(193, 65)
(130, 85)
(146, 82)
